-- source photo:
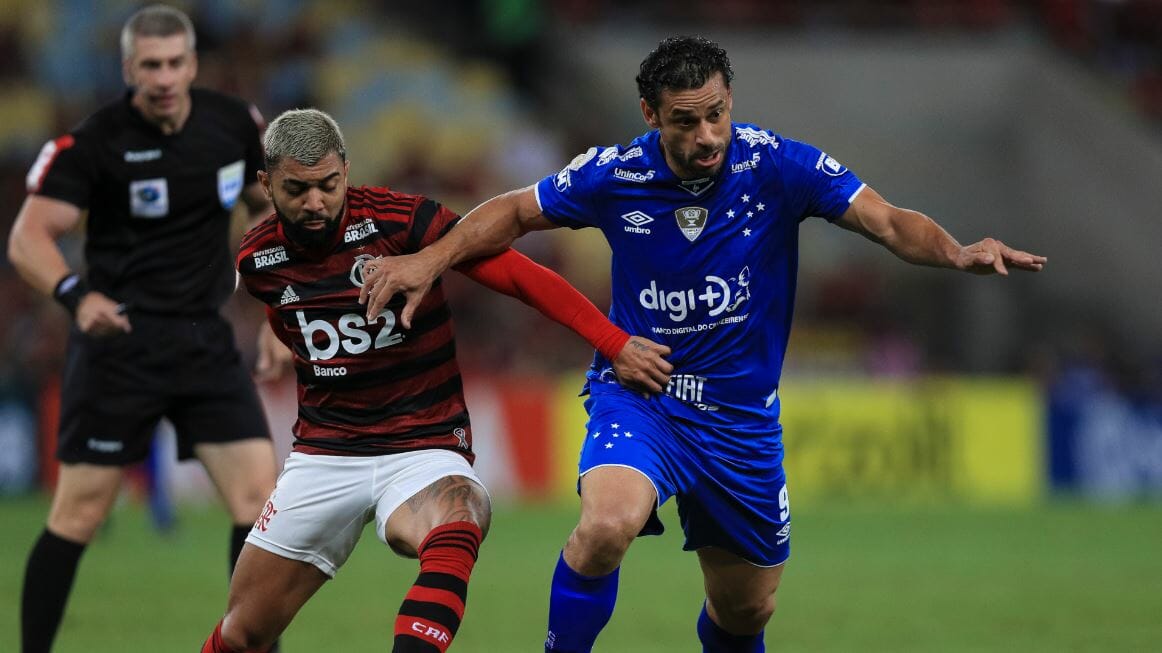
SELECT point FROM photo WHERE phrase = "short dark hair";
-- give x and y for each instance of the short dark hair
(681, 63)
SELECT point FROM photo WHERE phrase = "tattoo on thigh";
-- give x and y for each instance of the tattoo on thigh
(455, 497)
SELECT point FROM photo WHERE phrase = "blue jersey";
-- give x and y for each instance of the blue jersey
(707, 267)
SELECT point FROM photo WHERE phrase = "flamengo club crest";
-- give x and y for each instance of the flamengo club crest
(357, 269)
(691, 220)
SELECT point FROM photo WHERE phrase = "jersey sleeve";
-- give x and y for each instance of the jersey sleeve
(430, 220)
(821, 185)
(566, 198)
(65, 171)
(516, 275)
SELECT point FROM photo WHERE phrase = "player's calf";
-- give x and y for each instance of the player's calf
(743, 617)
(716, 639)
(433, 608)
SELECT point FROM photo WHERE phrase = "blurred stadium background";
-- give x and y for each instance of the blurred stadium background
(976, 464)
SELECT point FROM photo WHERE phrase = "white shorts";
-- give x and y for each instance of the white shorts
(321, 503)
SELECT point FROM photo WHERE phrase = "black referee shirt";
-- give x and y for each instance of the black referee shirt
(157, 235)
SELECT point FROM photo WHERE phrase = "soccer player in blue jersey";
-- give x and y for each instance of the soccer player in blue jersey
(702, 215)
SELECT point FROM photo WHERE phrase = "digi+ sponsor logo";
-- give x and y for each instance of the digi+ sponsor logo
(718, 296)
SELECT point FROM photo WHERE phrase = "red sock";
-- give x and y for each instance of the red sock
(432, 610)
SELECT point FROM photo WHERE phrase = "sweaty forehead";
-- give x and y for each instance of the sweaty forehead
(707, 96)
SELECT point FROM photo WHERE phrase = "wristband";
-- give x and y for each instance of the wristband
(69, 291)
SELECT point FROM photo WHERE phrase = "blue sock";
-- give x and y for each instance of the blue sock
(579, 607)
(716, 640)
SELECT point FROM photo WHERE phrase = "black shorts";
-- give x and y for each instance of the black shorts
(115, 390)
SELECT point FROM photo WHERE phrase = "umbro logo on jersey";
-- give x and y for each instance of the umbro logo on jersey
(637, 219)
(691, 220)
(288, 296)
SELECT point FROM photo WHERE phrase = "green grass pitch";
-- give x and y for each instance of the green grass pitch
(1067, 577)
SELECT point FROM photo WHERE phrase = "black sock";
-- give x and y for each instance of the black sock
(48, 579)
(237, 539)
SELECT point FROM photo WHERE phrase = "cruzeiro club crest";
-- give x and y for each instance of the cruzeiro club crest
(691, 220)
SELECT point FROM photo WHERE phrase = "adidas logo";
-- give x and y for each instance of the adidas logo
(288, 296)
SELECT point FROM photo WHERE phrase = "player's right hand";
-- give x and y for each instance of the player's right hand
(99, 316)
(641, 365)
(385, 277)
(991, 256)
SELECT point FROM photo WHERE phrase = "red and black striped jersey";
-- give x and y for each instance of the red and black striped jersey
(364, 387)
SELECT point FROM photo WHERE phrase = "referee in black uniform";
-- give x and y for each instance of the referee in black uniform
(158, 172)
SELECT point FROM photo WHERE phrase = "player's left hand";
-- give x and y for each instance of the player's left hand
(991, 256)
(641, 366)
(384, 277)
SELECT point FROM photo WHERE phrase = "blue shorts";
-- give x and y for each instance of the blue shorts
(729, 483)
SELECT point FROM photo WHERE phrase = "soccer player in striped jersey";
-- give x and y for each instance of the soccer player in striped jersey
(702, 215)
(382, 432)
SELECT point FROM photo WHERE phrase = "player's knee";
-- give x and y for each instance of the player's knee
(607, 536)
(78, 520)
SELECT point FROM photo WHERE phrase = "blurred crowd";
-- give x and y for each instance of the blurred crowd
(444, 98)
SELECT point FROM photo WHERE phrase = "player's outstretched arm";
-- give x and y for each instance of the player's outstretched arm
(638, 362)
(488, 229)
(916, 238)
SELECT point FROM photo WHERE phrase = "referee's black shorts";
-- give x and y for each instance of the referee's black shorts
(115, 390)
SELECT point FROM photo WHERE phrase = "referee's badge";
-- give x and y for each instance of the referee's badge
(149, 198)
(230, 183)
(691, 220)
